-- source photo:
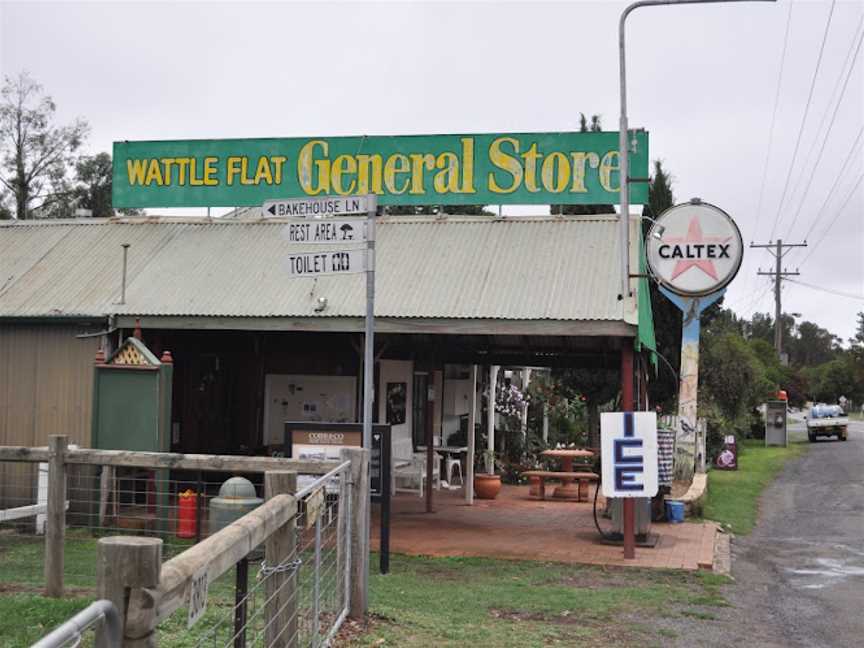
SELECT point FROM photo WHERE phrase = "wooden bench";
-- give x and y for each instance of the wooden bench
(565, 477)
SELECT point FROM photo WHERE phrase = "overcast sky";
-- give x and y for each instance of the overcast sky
(702, 81)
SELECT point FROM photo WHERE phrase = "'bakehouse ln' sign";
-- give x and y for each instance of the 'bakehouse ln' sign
(628, 443)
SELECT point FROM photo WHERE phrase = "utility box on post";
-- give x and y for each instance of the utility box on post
(775, 423)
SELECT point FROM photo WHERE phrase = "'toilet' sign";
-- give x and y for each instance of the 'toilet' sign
(628, 443)
(694, 249)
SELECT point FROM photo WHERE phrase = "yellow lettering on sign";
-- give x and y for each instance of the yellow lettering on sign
(167, 163)
(182, 164)
(447, 180)
(396, 165)
(419, 163)
(263, 172)
(194, 180)
(467, 166)
(343, 165)
(531, 156)
(232, 168)
(607, 166)
(154, 173)
(579, 161)
(305, 162)
(135, 171)
(278, 163)
(552, 181)
(369, 167)
(210, 171)
(506, 163)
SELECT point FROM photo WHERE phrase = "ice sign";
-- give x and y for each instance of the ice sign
(629, 449)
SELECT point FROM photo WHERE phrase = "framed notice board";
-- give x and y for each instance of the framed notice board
(323, 441)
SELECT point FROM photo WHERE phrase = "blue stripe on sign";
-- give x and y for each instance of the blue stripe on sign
(628, 424)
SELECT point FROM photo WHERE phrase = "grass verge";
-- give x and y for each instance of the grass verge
(733, 496)
(486, 602)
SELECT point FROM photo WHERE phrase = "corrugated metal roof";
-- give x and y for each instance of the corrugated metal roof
(515, 268)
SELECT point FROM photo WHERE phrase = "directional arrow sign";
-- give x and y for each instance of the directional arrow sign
(328, 230)
(326, 263)
(316, 207)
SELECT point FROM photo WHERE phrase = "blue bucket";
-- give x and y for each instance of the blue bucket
(674, 511)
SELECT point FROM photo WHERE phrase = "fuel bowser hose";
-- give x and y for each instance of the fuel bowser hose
(605, 535)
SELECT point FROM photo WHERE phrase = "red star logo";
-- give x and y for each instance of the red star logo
(694, 235)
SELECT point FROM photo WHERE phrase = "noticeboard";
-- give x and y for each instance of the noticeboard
(321, 441)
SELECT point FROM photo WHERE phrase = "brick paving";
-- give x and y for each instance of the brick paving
(514, 526)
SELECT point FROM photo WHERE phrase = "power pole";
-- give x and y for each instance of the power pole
(779, 250)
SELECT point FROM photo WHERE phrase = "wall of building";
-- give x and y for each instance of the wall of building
(46, 388)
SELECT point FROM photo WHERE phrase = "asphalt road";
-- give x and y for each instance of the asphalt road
(800, 574)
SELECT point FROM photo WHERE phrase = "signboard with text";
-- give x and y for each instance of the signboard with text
(694, 249)
(315, 264)
(628, 443)
(493, 168)
(328, 230)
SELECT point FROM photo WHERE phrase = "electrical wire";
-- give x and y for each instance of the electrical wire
(803, 119)
(807, 185)
(773, 120)
(834, 220)
(823, 209)
(839, 293)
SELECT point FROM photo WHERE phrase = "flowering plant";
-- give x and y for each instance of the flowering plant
(509, 400)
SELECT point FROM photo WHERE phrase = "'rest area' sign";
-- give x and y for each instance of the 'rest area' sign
(694, 249)
(492, 168)
(628, 443)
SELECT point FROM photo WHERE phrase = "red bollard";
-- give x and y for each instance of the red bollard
(187, 503)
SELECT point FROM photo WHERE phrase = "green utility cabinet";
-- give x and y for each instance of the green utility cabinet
(132, 411)
(132, 400)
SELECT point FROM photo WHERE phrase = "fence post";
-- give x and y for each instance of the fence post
(124, 563)
(55, 530)
(280, 588)
(359, 556)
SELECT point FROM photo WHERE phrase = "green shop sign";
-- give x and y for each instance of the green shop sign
(520, 168)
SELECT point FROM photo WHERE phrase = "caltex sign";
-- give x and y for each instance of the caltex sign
(694, 249)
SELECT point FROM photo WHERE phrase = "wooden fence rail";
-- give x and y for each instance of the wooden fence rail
(59, 456)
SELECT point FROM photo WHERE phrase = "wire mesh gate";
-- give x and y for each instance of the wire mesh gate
(303, 600)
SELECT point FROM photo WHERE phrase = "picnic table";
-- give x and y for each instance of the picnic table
(568, 489)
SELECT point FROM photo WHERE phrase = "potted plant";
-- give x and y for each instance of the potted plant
(487, 484)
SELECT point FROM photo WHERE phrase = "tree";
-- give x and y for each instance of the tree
(663, 390)
(93, 191)
(35, 154)
(94, 181)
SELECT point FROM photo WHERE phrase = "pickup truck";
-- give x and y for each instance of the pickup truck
(827, 420)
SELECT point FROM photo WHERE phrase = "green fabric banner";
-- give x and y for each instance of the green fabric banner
(494, 169)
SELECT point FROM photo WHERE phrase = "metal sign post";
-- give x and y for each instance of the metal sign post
(369, 352)
(312, 221)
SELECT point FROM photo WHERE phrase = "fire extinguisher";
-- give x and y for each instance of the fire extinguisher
(186, 523)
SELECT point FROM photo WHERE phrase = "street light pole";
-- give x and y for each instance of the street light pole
(624, 219)
(623, 135)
